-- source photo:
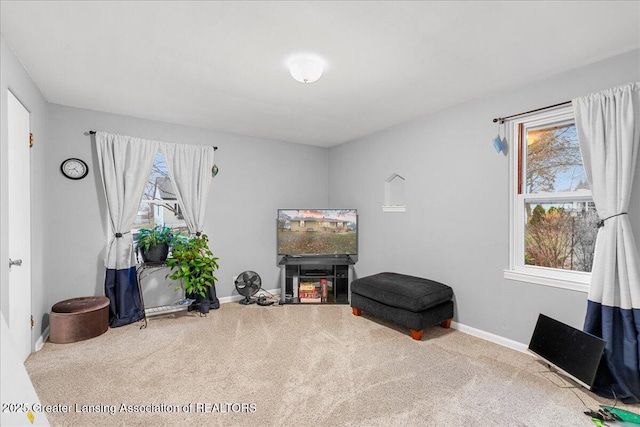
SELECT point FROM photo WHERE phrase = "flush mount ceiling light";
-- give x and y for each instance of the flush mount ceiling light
(306, 69)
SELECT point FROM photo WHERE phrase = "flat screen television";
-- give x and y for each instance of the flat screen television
(573, 352)
(316, 232)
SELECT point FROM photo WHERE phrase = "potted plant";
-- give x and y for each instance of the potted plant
(193, 263)
(153, 243)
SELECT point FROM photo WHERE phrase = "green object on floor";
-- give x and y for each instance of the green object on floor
(597, 421)
(625, 415)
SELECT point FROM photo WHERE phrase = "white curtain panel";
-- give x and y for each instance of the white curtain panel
(125, 164)
(608, 125)
(190, 172)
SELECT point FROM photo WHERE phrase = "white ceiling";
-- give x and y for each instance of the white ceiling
(221, 65)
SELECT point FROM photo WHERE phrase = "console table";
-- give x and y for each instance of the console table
(317, 279)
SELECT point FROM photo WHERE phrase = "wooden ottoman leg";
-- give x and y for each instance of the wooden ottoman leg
(416, 335)
(446, 324)
(356, 311)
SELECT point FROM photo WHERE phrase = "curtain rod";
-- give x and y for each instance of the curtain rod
(502, 119)
(93, 132)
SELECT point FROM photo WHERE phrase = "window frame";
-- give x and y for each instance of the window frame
(518, 270)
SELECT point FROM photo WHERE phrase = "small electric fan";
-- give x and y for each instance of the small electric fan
(247, 284)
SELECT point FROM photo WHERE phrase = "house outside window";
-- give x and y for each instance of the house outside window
(552, 214)
(159, 205)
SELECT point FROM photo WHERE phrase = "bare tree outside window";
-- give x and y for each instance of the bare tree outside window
(559, 233)
(554, 163)
(561, 236)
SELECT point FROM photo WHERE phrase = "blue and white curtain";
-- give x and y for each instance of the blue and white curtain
(608, 126)
(190, 170)
(125, 164)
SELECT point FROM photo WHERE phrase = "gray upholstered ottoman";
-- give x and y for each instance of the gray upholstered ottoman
(410, 301)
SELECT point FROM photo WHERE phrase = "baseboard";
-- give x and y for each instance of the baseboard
(496, 339)
(234, 298)
(42, 339)
(45, 335)
(487, 336)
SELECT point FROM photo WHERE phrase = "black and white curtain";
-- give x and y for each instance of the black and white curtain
(608, 125)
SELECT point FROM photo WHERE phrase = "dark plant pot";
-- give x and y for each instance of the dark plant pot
(156, 253)
(202, 304)
(205, 305)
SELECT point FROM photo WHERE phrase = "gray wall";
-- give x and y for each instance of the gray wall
(455, 229)
(15, 78)
(256, 178)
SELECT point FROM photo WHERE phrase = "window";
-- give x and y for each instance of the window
(159, 205)
(553, 217)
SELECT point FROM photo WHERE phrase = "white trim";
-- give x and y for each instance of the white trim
(496, 339)
(42, 339)
(557, 278)
(579, 282)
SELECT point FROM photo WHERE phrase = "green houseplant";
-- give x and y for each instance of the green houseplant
(193, 263)
(153, 243)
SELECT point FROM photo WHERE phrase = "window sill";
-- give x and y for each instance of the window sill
(574, 281)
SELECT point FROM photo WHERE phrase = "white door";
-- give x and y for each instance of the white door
(19, 215)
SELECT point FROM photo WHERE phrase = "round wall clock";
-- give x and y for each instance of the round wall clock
(74, 168)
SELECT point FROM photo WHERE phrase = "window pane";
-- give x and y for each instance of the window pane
(560, 235)
(163, 209)
(553, 161)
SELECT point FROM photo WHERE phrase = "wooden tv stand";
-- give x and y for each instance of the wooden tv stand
(307, 270)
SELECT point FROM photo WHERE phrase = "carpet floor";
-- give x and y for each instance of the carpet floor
(297, 366)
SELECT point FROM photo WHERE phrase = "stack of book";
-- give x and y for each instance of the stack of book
(308, 292)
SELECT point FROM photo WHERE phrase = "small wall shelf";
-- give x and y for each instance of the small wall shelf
(400, 208)
(394, 194)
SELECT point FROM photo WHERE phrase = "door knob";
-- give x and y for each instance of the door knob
(17, 262)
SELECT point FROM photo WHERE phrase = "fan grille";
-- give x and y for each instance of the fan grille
(248, 283)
